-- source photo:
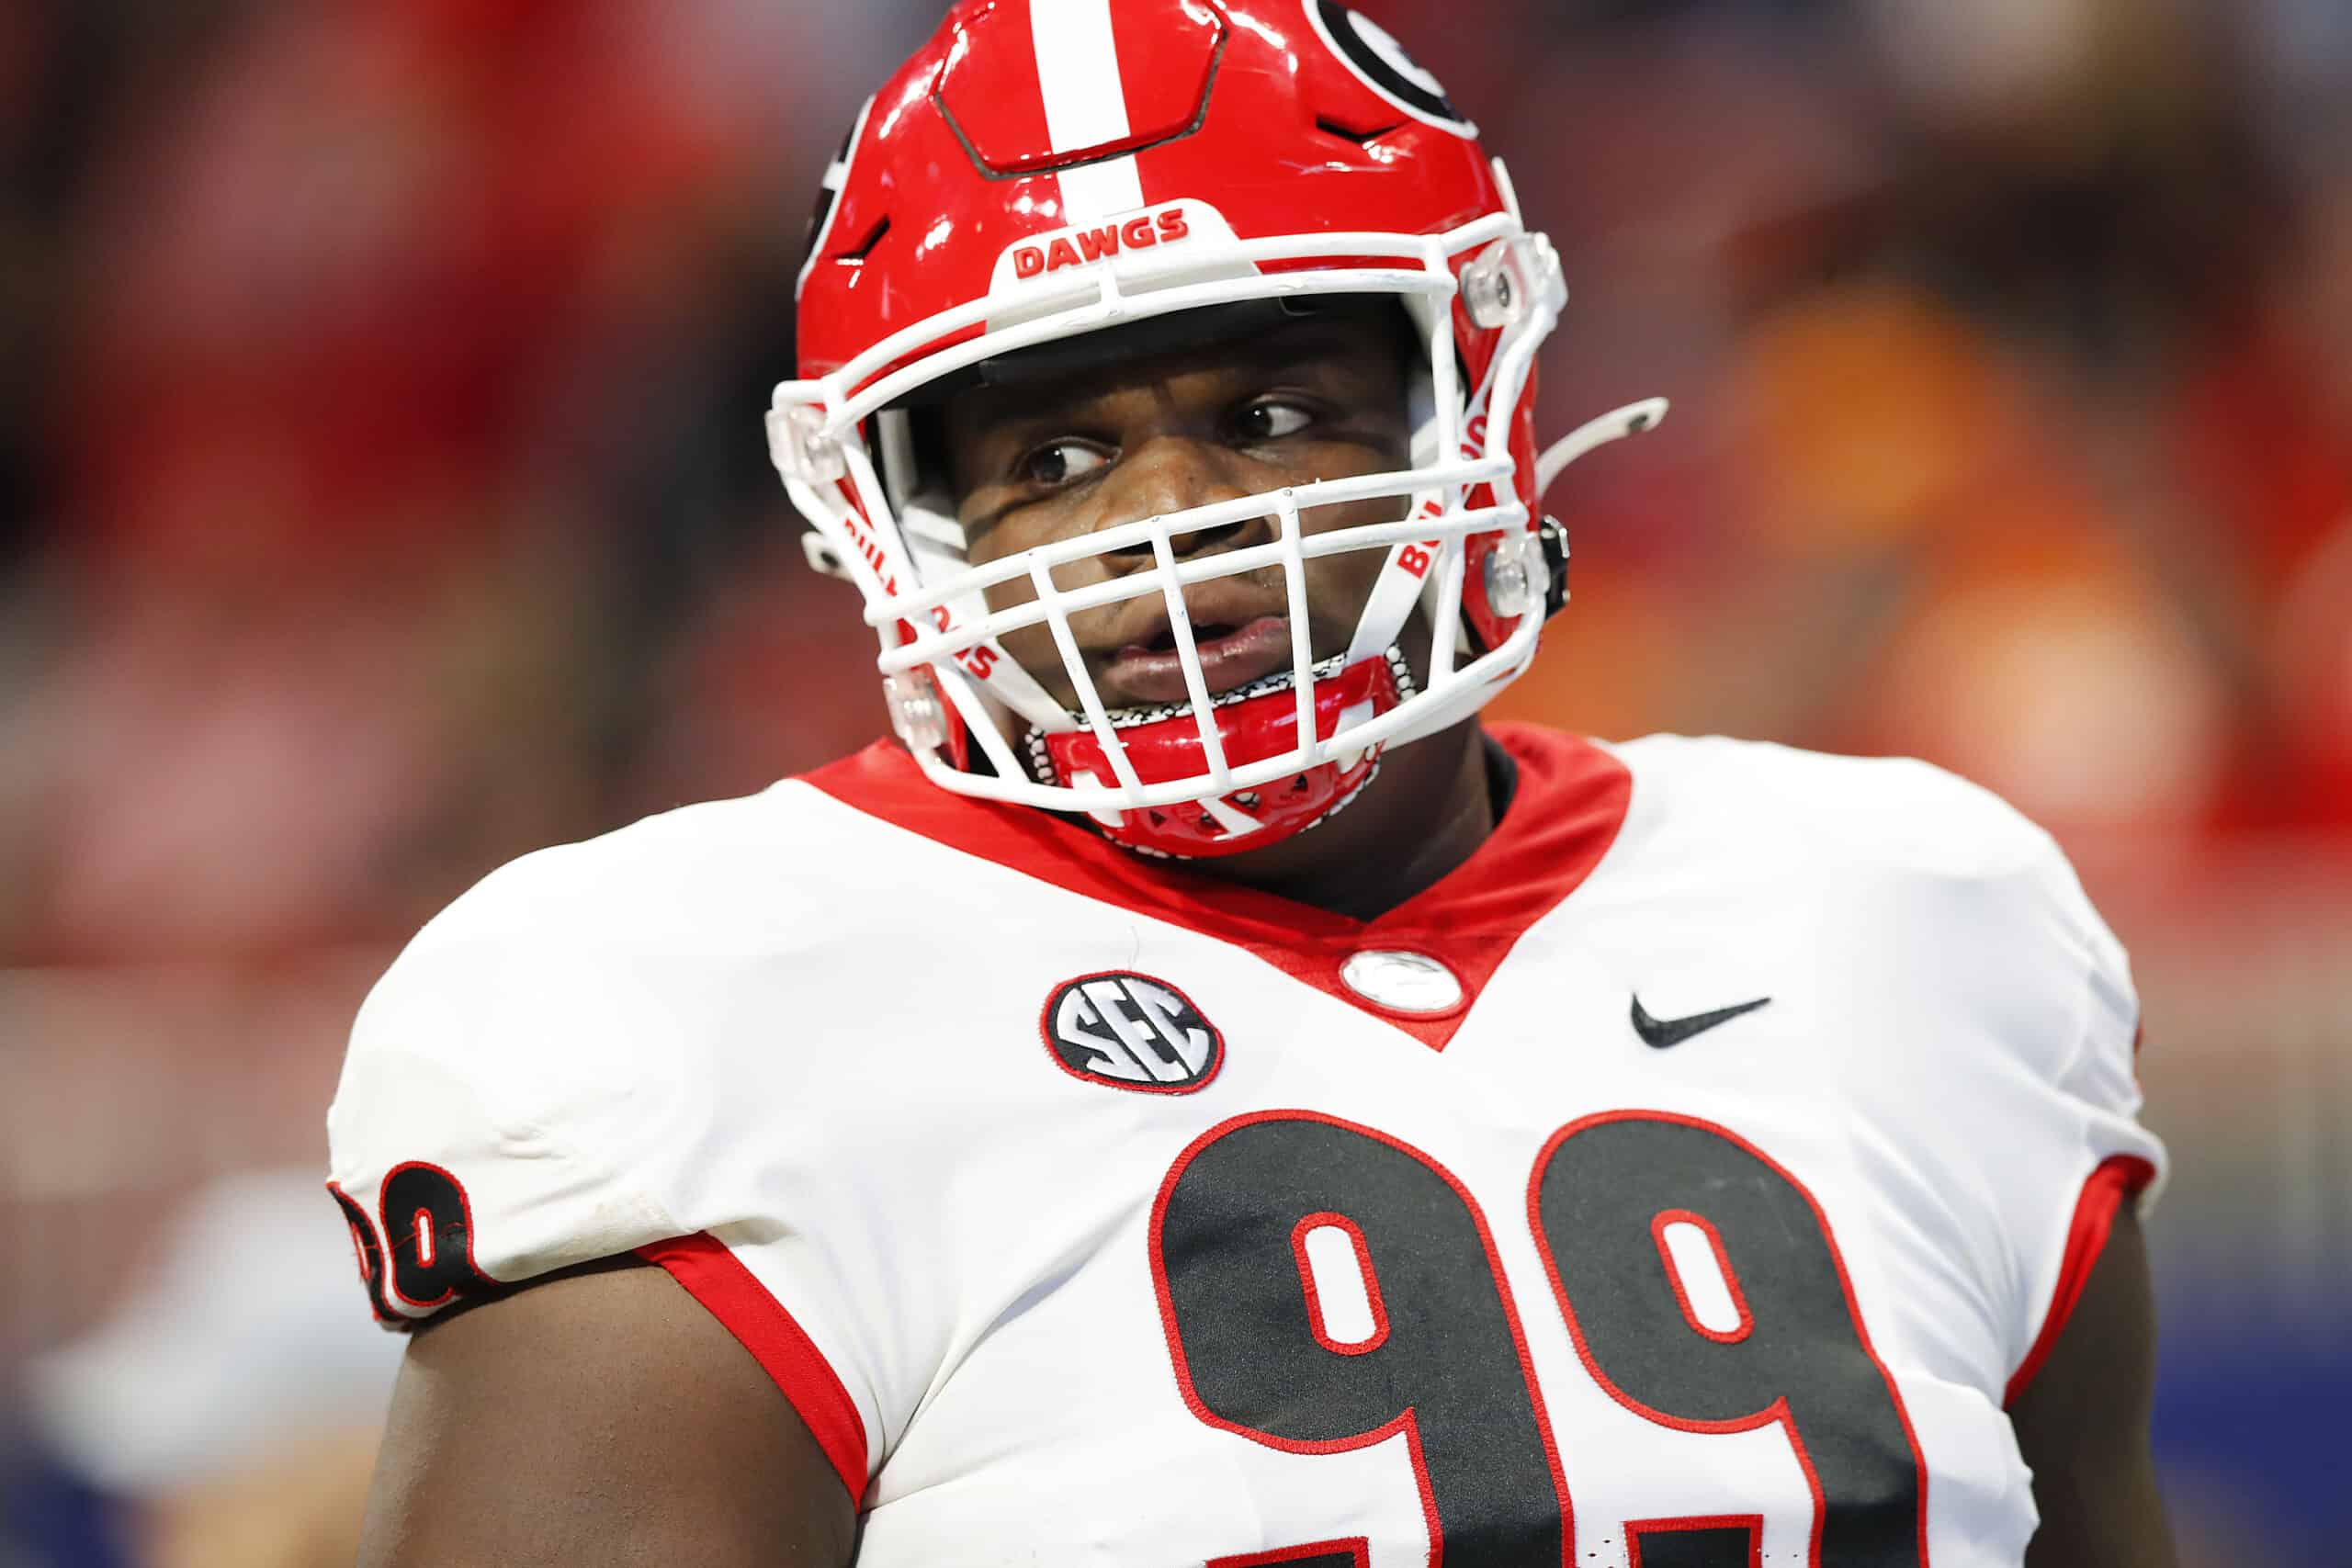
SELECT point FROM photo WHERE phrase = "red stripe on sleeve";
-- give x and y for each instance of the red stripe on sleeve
(2117, 1177)
(717, 1277)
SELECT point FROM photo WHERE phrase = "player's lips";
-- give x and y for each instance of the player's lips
(1230, 657)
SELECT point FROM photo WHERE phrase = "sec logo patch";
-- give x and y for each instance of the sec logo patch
(1132, 1031)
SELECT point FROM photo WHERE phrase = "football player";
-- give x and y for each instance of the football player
(1199, 1098)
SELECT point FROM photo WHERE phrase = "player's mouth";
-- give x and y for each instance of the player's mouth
(1231, 655)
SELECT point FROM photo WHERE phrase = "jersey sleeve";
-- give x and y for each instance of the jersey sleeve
(482, 1125)
(558, 1071)
(2085, 1153)
(1999, 1048)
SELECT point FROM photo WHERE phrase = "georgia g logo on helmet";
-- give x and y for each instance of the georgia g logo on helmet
(1385, 67)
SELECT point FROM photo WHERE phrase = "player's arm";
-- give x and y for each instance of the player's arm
(2082, 1424)
(597, 1419)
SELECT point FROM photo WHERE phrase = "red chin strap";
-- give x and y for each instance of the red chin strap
(1251, 730)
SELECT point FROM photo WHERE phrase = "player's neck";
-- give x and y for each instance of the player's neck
(1432, 803)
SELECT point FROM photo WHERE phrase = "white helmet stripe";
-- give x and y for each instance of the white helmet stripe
(1086, 104)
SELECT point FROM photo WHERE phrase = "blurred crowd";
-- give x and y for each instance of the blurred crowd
(382, 469)
(382, 495)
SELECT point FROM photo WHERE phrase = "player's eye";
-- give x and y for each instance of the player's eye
(1270, 419)
(1057, 463)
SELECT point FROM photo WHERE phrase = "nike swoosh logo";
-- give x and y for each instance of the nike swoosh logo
(1660, 1033)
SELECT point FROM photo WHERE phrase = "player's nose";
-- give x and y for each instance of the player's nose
(1171, 473)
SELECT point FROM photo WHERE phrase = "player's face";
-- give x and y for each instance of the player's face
(1322, 398)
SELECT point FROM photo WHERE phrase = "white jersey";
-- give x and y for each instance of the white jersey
(1689, 1178)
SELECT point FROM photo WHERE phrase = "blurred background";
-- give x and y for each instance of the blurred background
(382, 495)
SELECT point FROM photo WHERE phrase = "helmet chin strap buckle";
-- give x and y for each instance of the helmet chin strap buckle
(1519, 573)
(916, 711)
(801, 448)
(1512, 277)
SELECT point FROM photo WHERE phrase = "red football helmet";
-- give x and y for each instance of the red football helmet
(1046, 168)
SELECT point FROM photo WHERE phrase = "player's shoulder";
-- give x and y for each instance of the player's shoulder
(1870, 816)
(735, 871)
(750, 875)
(599, 959)
(586, 1005)
(1934, 885)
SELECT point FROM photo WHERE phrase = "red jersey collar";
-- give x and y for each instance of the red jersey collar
(1570, 802)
